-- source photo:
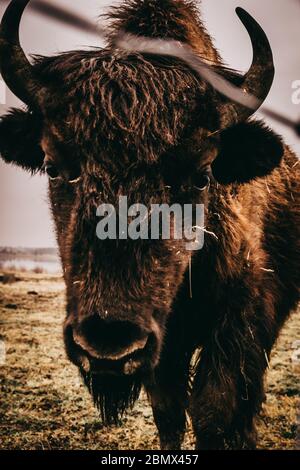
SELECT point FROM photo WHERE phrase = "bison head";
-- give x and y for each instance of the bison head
(107, 123)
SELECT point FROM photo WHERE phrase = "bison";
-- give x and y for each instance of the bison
(195, 329)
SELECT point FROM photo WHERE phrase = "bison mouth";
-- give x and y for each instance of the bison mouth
(126, 365)
(114, 382)
(136, 359)
(128, 362)
(113, 379)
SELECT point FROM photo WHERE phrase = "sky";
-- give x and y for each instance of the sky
(25, 218)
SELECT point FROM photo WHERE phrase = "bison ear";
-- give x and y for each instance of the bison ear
(20, 134)
(247, 151)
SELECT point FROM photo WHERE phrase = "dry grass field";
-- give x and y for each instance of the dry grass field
(43, 404)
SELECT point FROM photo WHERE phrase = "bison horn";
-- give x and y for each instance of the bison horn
(258, 81)
(15, 68)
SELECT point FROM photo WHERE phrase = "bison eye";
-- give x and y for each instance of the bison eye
(52, 171)
(202, 181)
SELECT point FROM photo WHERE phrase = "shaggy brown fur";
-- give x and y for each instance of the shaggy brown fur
(165, 19)
(141, 126)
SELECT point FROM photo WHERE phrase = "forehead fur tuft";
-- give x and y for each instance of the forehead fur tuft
(168, 19)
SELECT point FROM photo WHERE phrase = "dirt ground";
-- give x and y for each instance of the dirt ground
(43, 404)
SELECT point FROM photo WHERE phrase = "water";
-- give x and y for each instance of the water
(50, 267)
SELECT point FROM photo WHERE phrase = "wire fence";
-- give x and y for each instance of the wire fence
(172, 48)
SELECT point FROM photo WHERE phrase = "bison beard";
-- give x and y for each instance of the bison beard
(112, 395)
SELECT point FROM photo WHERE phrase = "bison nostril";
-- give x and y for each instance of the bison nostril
(109, 340)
